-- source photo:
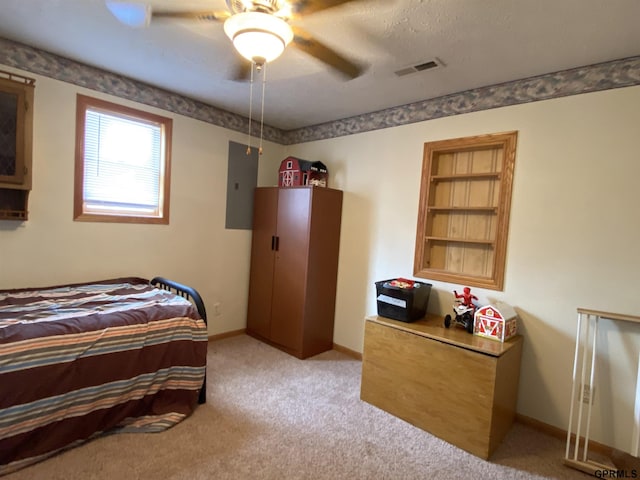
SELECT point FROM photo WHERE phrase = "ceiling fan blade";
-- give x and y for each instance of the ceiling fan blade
(305, 7)
(206, 15)
(305, 42)
(132, 14)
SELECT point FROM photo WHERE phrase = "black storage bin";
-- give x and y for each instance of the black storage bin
(404, 304)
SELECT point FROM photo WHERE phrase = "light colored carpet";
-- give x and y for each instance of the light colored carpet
(271, 416)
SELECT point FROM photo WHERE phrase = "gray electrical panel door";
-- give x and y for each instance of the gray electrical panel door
(242, 179)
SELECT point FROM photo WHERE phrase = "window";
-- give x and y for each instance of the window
(463, 217)
(122, 164)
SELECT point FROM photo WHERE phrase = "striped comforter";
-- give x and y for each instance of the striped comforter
(81, 360)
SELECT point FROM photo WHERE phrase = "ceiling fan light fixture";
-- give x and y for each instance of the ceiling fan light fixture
(257, 36)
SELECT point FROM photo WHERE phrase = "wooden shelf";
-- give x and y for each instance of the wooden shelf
(465, 192)
(13, 204)
(463, 209)
(460, 240)
(13, 215)
(466, 176)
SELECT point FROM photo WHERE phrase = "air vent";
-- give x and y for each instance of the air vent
(426, 66)
(421, 67)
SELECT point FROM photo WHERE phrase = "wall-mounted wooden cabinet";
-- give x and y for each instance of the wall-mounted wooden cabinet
(464, 210)
(16, 136)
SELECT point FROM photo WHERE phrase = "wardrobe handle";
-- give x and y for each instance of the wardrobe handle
(273, 242)
(277, 243)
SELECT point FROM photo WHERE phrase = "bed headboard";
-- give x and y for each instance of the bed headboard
(182, 290)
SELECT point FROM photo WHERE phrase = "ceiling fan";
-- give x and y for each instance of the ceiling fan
(259, 29)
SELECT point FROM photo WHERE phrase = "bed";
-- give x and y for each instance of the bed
(78, 361)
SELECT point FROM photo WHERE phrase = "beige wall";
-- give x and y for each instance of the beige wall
(574, 230)
(50, 248)
(574, 226)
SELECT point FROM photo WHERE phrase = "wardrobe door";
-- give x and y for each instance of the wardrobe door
(289, 276)
(265, 207)
(322, 271)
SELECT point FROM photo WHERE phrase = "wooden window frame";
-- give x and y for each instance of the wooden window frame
(83, 103)
(494, 243)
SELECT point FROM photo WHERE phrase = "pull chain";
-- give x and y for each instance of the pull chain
(250, 109)
(262, 68)
(264, 83)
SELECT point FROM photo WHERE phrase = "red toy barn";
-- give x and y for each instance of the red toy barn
(295, 172)
(496, 324)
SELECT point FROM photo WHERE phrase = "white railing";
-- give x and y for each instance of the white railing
(578, 457)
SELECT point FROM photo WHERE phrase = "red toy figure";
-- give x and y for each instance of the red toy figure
(464, 309)
(467, 297)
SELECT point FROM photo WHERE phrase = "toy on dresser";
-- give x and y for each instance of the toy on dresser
(498, 321)
(464, 310)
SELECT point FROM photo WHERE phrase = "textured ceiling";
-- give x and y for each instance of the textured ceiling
(476, 42)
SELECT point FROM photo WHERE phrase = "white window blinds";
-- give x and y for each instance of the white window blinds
(123, 165)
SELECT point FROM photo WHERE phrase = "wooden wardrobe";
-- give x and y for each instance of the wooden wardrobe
(294, 268)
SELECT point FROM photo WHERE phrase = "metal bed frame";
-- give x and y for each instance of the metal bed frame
(192, 295)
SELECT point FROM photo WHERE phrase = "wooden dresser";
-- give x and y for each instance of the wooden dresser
(460, 387)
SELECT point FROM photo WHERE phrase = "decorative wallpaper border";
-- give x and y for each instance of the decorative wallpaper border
(591, 78)
(44, 63)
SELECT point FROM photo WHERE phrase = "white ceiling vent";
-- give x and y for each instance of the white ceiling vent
(430, 65)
